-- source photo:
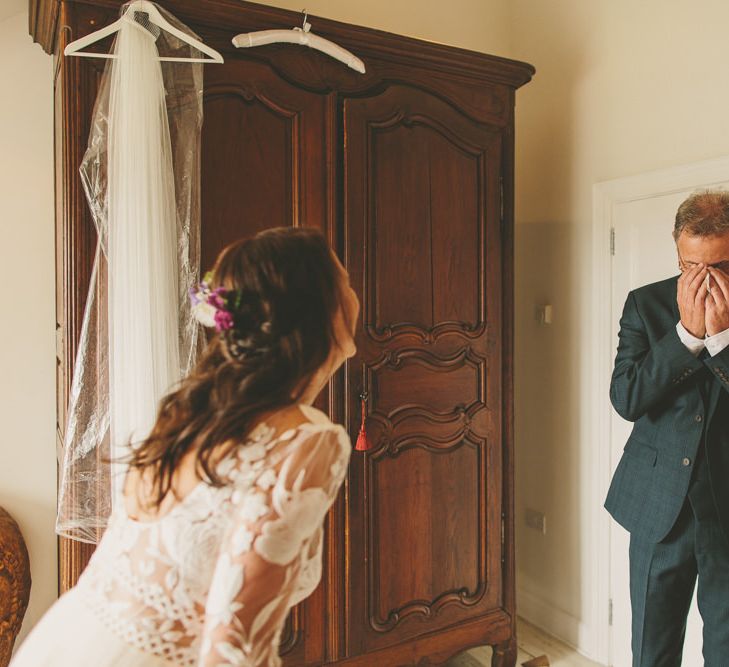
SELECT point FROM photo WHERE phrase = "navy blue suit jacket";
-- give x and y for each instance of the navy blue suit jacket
(657, 384)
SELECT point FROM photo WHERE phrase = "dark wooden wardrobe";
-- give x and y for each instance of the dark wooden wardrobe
(408, 170)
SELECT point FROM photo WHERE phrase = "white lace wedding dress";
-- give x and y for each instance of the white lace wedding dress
(210, 582)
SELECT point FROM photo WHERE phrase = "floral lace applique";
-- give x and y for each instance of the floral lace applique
(211, 582)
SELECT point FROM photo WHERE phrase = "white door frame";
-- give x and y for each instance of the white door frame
(606, 196)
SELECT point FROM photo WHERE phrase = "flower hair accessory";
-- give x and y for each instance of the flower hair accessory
(214, 307)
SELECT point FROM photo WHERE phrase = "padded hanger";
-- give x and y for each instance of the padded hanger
(154, 18)
(302, 36)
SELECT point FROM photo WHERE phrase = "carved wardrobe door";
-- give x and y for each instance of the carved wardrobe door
(265, 155)
(264, 164)
(424, 251)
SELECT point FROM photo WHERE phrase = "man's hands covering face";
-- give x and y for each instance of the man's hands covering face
(717, 303)
(703, 313)
(692, 300)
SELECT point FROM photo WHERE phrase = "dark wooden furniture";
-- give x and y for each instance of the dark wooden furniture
(14, 584)
(408, 169)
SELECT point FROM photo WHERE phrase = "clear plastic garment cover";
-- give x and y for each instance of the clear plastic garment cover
(141, 176)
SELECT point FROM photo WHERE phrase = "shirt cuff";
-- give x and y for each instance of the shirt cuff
(717, 342)
(695, 345)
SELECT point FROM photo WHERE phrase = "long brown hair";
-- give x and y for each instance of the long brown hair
(289, 293)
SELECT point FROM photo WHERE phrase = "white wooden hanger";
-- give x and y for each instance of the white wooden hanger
(299, 36)
(154, 17)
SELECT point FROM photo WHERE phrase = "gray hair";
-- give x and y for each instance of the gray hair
(704, 213)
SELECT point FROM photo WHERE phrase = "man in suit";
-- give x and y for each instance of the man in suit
(671, 487)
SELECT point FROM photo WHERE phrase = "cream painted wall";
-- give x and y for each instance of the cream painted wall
(621, 87)
(480, 25)
(27, 338)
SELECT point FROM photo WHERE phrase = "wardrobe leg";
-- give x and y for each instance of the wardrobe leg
(504, 654)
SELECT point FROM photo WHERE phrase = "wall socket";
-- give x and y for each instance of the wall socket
(536, 520)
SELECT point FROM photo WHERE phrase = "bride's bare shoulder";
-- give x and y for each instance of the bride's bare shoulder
(292, 416)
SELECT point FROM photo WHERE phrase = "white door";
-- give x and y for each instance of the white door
(644, 253)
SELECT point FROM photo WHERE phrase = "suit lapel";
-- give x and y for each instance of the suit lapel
(674, 300)
(704, 383)
(713, 398)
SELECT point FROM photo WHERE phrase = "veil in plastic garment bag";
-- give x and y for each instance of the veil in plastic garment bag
(141, 176)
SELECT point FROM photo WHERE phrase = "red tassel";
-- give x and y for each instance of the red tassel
(363, 444)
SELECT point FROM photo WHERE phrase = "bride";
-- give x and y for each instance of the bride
(218, 533)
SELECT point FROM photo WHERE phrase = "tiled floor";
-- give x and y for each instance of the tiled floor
(532, 643)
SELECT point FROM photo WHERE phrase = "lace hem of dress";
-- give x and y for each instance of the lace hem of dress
(154, 641)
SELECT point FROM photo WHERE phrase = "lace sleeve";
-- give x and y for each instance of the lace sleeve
(259, 562)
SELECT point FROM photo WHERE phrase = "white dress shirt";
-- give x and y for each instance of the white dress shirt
(714, 344)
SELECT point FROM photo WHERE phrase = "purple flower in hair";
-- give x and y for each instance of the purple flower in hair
(217, 298)
(212, 308)
(223, 320)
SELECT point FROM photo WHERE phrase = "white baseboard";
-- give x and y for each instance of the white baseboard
(562, 625)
